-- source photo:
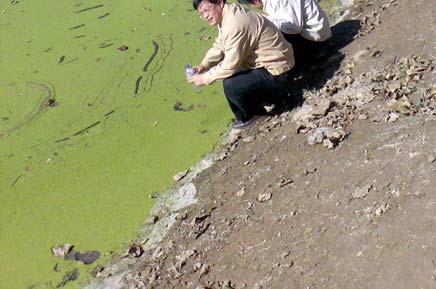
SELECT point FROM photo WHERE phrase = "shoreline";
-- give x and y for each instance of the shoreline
(278, 212)
(182, 194)
(162, 216)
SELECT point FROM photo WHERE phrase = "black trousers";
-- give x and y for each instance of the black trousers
(246, 91)
(305, 51)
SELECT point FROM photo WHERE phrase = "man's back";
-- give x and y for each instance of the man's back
(303, 17)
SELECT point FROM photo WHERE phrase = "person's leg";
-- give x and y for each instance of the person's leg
(246, 92)
(305, 51)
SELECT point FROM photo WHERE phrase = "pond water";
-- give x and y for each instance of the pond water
(95, 115)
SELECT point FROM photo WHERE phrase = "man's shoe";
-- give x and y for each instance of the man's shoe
(239, 124)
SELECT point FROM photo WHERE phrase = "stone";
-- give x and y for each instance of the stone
(88, 258)
(264, 197)
(62, 250)
(180, 175)
(241, 192)
(361, 192)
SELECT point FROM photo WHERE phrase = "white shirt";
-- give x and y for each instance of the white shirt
(303, 17)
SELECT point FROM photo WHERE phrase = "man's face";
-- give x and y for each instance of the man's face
(257, 4)
(211, 13)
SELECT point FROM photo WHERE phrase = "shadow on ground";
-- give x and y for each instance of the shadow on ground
(327, 62)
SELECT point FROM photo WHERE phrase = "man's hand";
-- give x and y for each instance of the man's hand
(199, 69)
(197, 80)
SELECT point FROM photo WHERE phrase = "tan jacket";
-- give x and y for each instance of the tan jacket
(246, 40)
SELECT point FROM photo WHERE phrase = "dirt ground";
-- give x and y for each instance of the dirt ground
(357, 209)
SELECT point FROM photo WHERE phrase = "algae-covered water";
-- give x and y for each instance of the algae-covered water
(95, 114)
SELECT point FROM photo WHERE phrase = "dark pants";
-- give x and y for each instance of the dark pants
(246, 91)
(305, 51)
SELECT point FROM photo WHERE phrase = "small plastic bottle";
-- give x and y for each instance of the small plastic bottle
(189, 71)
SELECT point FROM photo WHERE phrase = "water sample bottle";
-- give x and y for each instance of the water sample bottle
(189, 71)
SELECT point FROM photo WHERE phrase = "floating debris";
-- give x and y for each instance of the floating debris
(62, 250)
(122, 48)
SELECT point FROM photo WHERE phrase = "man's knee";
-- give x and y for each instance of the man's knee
(229, 85)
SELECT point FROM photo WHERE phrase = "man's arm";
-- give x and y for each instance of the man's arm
(234, 47)
(286, 15)
(214, 55)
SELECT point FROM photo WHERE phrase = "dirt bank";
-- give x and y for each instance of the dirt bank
(356, 209)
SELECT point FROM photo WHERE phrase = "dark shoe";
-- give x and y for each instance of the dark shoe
(239, 124)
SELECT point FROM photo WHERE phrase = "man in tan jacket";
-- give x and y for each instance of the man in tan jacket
(250, 55)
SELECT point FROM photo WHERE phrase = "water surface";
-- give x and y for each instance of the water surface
(95, 115)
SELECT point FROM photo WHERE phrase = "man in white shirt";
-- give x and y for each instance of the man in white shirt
(303, 23)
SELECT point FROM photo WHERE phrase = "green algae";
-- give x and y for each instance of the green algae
(88, 128)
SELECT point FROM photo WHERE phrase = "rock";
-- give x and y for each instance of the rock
(220, 156)
(122, 48)
(308, 112)
(264, 197)
(382, 209)
(241, 192)
(361, 192)
(204, 269)
(69, 276)
(233, 136)
(179, 176)
(248, 139)
(284, 182)
(182, 216)
(330, 137)
(392, 117)
(70, 256)
(87, 258)
(134, 250)
(62, 250)
(402, 106)
(227, 285)
(182, 258)
(152, 220)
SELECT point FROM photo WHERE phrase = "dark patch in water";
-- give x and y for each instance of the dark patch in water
(156, 49)
(105, 45)
(89, 8)
(72, 60)
(138, 81)
(16, 180)
(109, 113)
(178, 106)
(103, 16)
(47, 50)
(61, 59)
(69, 276)
(62, 139)
(79, 36)
(78, 26)
(86, 128)
(51, 102)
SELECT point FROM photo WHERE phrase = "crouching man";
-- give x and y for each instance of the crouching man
(250, 55)
(303, 23)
